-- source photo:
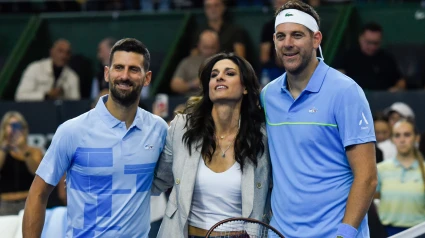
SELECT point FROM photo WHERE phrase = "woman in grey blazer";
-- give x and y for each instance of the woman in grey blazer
(216, 156)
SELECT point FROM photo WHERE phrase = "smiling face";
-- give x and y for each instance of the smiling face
(296, 46)
(126, 77)
(225, 82)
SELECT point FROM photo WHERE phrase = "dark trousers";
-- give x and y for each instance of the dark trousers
(392, 230)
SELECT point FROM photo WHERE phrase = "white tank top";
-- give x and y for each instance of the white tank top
(216, 196)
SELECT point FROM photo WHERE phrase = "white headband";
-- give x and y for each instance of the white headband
(296, 16)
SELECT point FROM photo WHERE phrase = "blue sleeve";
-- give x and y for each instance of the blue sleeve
(58, 157)
(353, 117)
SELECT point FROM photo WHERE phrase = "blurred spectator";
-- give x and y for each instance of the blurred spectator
(398, 111)
(50, 78)
(83, 67)
(243, 3)
(382, 128)
(268, 58)
(18, 163)
(185, 80)
(316, 3)
(232, 37)
(151, 5)
(422, 143)
(62, 6)
(401, 182)
(369, 65)
(383, 137)
(103, 51)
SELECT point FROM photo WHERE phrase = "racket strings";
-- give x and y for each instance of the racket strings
(242, 229)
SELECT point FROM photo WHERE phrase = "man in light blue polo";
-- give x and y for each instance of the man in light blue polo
(109, 155)
(321, 137)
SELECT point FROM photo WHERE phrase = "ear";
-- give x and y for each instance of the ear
(317, 39)
(274, 40)
(245, 91)
(106, 73)
(148, 78)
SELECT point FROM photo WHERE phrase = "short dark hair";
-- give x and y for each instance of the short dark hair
(371, 26)
(298, 5)
(132, 45)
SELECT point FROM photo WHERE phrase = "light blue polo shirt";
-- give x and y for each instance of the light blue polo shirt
(109, 171)
(307, 139)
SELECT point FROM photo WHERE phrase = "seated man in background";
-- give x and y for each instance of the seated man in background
(370, 65)
(267, 52)
(50, 78)
(185, 80)
(100, 86)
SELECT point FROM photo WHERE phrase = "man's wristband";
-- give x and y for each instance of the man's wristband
(346, 231)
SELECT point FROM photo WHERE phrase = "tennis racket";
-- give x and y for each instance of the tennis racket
(242, 228)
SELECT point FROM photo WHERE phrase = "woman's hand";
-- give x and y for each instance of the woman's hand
(16, 141)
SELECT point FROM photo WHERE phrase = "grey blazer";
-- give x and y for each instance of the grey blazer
(177, 169)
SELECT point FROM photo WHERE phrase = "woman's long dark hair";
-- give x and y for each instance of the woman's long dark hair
(200, 125)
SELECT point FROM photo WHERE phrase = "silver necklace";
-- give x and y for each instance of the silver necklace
(223, 153)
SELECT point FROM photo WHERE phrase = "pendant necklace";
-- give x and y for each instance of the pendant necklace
(223, 153)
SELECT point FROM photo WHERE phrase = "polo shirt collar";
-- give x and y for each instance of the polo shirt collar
(110, 120)
(138, 120)
(316, 79)
(414, 165)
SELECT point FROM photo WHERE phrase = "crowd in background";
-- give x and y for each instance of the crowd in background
(144, 5)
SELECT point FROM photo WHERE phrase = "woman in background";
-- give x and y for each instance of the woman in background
(401, 182)
(18, 163)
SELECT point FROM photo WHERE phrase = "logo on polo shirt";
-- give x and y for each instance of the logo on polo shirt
(313, 110)
(365, 121)
(148, 147)
(288, 15)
